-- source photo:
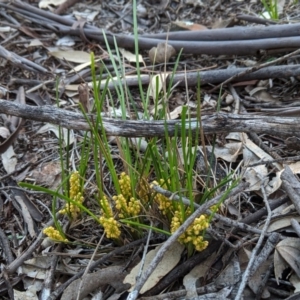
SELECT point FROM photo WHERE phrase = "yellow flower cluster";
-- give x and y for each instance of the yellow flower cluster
(75, 195)
(163, 202)
(193, 233)
(110, 225)
(106, 208)
(125, 207)
(125, 186)
(54, 234)
(126, 204)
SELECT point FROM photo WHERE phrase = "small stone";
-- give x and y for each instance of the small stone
(162, 53)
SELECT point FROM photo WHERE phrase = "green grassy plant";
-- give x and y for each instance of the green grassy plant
(168, 162)
(271, 8)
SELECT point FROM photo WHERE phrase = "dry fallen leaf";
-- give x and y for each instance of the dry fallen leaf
(174, 114)
(295, 281)
(287, 254)
(86, 15)
(9, 160)
(168, 262)
(281, 223)
(200, 270)
(112, 275)
(47, 174)
(131, 57)
(84, 99)
(68, 138)
(30, 294)
(156, 84)
(187, 25)
(46, 3)
(72, 56)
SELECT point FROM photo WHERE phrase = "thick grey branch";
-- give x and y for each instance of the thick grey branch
(217, 123)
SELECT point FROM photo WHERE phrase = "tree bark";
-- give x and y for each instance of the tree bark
(216, 123)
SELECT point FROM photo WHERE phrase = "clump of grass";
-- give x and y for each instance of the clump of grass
(271, 8)
(133, 204)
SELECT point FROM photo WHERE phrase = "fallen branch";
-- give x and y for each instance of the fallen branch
(20, 61)
(231, 34)
(217, 76)
(236, 41)
(216, 123)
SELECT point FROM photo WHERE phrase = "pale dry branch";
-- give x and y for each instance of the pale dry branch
(212, 124)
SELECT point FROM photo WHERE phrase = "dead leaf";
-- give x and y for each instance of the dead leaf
(255, 280)
(168, 262)
(281, 223)
(65, 41)
(253, 176)
(9, 160)
(82, 66)
(295, 167)
(156, 84)
(295, 281)
(72, 56)
(55, 129)
(228, 152)
(87, 15)
(84, 99)
(30, 206)
(195, 3)
(199, 271)
(175, 113)
(46, 3)
(35, 43)
(287, 253)
(26, 216)
(222, 23)
(30, 294)
(231, 274)
(47, 174)
(131, 57)
(112, 275)
(257, 150)
(187, 25)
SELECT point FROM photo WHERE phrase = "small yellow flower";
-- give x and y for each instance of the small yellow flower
(111, 227)
(106, 208)
(193, 232)
(75, 195)
(125, 203)
(54, 234)
(125, 185)
(163, 202)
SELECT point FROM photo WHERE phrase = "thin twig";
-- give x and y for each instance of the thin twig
(246, 274)
(255, 68)
(88, 267)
